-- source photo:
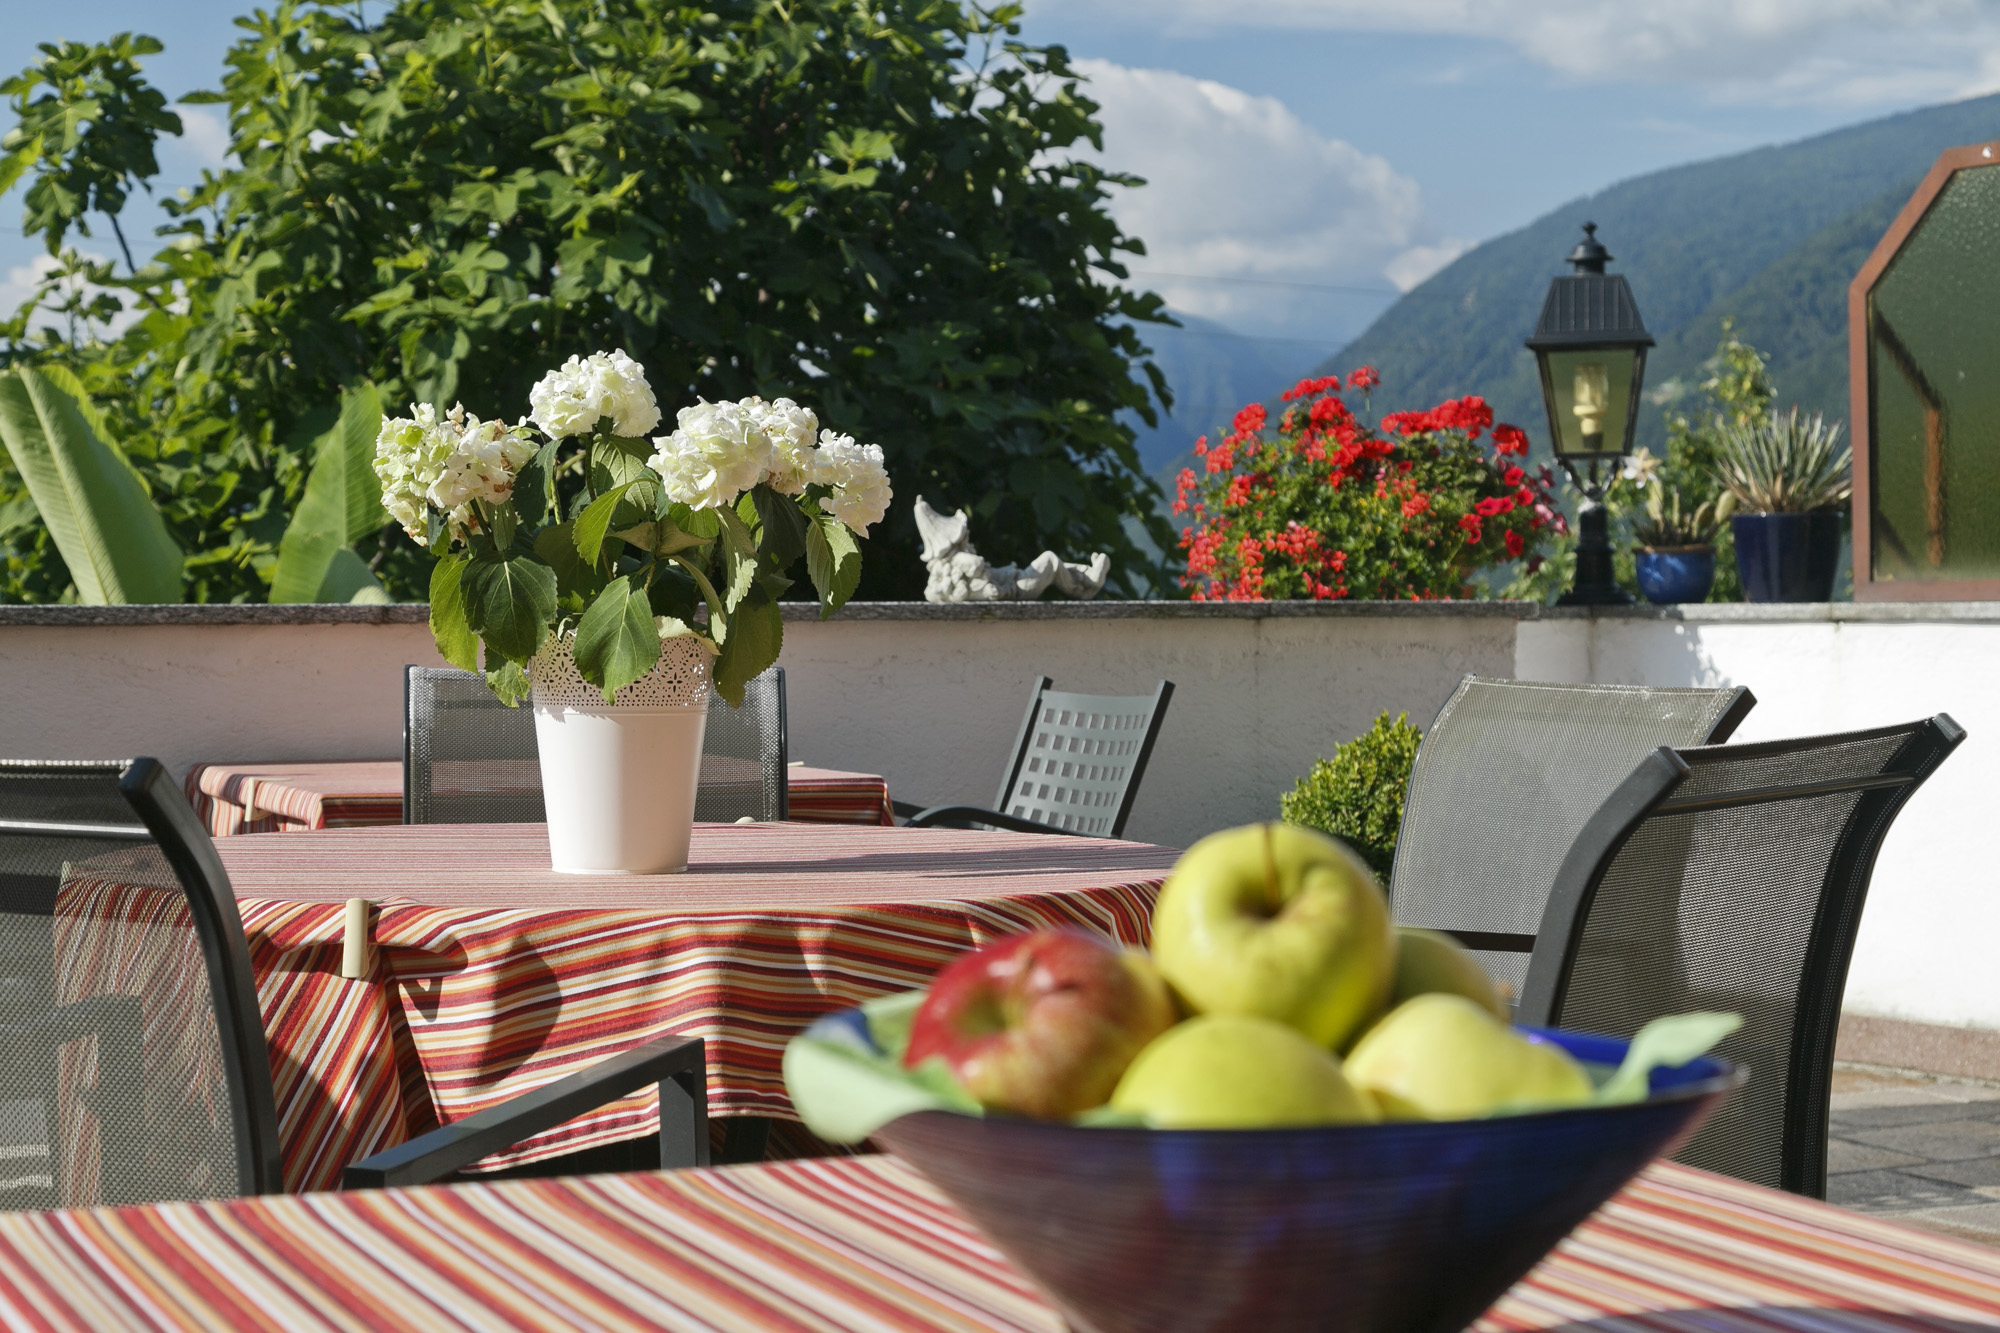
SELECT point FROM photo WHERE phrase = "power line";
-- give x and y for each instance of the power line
(1270, 282)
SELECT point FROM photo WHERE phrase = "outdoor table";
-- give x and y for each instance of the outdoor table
(292, 798)
(865, 1243)
(490, 975)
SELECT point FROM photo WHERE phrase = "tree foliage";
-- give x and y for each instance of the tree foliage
(874, 209)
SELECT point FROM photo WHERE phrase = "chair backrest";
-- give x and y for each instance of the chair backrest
(133, 1066)
(1079, 758)
(470, 759)
(1732, 877)
(1508, 773)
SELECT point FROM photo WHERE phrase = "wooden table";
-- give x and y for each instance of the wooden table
(490, 975)
(294, 798)
(866, 1244)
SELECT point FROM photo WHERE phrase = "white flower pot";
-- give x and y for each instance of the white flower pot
(619, 780)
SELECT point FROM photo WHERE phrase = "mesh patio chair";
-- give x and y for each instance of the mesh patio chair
(470, 759)
(133, 1063)
(1732, 877)
(1076, 766)
(1508, 773)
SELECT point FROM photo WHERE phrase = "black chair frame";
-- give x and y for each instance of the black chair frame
(965, 816)
(677, 1064)
(1650, 791)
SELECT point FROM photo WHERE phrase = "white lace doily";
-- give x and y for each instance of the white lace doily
(681, 679)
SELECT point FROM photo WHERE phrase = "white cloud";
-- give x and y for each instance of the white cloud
(1238, 187)
(22, 281)
(1859, 52)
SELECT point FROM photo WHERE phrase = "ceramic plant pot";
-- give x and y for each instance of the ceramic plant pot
(619, 779)
(1788, 557)
(1669, 574)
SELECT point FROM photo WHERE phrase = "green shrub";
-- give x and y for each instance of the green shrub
(1357, 795)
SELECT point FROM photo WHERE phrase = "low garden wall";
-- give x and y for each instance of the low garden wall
(932, 698)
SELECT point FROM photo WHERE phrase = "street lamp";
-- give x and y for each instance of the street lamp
(1591, 349)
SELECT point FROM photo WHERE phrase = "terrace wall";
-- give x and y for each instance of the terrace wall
(931, 697)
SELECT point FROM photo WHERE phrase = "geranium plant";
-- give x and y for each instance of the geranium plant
(575, 524)
(1327, 506)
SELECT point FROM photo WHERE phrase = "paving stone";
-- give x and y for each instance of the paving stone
(1934, 1096)
(1973, 1173)
(1936, 1141)
(1896, 1192)
(1888, 1117)
(1974, 1222)
(1842, 1156)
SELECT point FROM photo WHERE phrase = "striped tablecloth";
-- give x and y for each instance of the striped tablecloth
(293, 798)
(852, 1244)
(491, 975)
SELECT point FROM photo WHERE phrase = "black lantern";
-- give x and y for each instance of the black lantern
(1590, 347)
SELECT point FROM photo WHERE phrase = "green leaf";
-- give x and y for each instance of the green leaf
(784, 525)
(616, 642)
(508, 682)
(534, 494)
(98, 513)
(833, 562)
(577, 583)
(595, 521)
(846, 1078)
(1665, 1043)
(348, 579)
(739, 559)
(510, 600)
(456, 642)
(342, 504)
(756, 633)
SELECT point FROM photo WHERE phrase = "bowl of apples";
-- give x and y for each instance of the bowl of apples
(1291, 1114)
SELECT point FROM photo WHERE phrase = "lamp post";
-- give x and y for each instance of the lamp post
(1591, 349)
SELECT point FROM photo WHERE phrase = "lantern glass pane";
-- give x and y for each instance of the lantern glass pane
(1934, 362)
(1592, 393)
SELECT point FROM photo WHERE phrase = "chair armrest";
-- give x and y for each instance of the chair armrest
(907, 808)
(963, 816)
(678, 1064)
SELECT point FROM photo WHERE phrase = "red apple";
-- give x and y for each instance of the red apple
(1042, 1024)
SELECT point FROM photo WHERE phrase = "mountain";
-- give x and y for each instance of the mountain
(1212, 371)
(1771, 237)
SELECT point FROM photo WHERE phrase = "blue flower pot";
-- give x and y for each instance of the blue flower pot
(1788, 557)
(1669, 574)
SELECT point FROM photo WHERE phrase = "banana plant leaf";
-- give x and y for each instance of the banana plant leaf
(96, 507)
(341, 505)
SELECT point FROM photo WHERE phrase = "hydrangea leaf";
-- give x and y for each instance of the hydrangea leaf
(510, 599)
(456, 642)
(833, 561)
(616, 642)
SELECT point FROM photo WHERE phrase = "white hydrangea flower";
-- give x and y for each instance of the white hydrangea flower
(791, 430)
(858, 477)
(570, 400)
(719, 452)
(426, 463)
(687, 474)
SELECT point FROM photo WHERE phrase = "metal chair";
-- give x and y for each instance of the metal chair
(470, 759)
(1508, 774)
(132, 1049)
(1733, 878)
(1076, 766)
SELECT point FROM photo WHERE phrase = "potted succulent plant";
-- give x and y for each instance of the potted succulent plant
(1675, 559)
(614, 579)
(1790, 478)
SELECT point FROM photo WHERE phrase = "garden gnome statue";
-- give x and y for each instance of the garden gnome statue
(959, 574)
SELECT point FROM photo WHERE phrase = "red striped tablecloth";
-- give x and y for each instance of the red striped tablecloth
(292, 798)
(492, 975)
(835, 1246)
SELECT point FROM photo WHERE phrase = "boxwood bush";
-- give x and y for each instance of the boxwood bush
(1357, 795)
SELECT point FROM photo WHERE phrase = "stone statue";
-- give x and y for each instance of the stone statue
(959, 574)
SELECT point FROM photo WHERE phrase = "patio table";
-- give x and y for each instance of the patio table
(292, 798)
(490, 975)
(865, 1243)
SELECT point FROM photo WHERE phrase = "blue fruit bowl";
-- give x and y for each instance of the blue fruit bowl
(1406, 1227)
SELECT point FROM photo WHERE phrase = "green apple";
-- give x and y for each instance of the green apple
(1237, 1072)
(1443, 1057)
(1429, 962)
(1279, 922)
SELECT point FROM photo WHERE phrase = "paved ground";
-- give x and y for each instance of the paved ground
(1924, 1151)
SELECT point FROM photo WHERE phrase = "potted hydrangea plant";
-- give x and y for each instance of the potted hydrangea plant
(613, 579)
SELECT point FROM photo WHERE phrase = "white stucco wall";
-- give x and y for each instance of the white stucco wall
(931, 698)
(1932, 927)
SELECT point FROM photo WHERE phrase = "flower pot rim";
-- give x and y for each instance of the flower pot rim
(1696, 548)
(1787, 513)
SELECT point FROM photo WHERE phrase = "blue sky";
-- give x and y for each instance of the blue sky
(1311, 158)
